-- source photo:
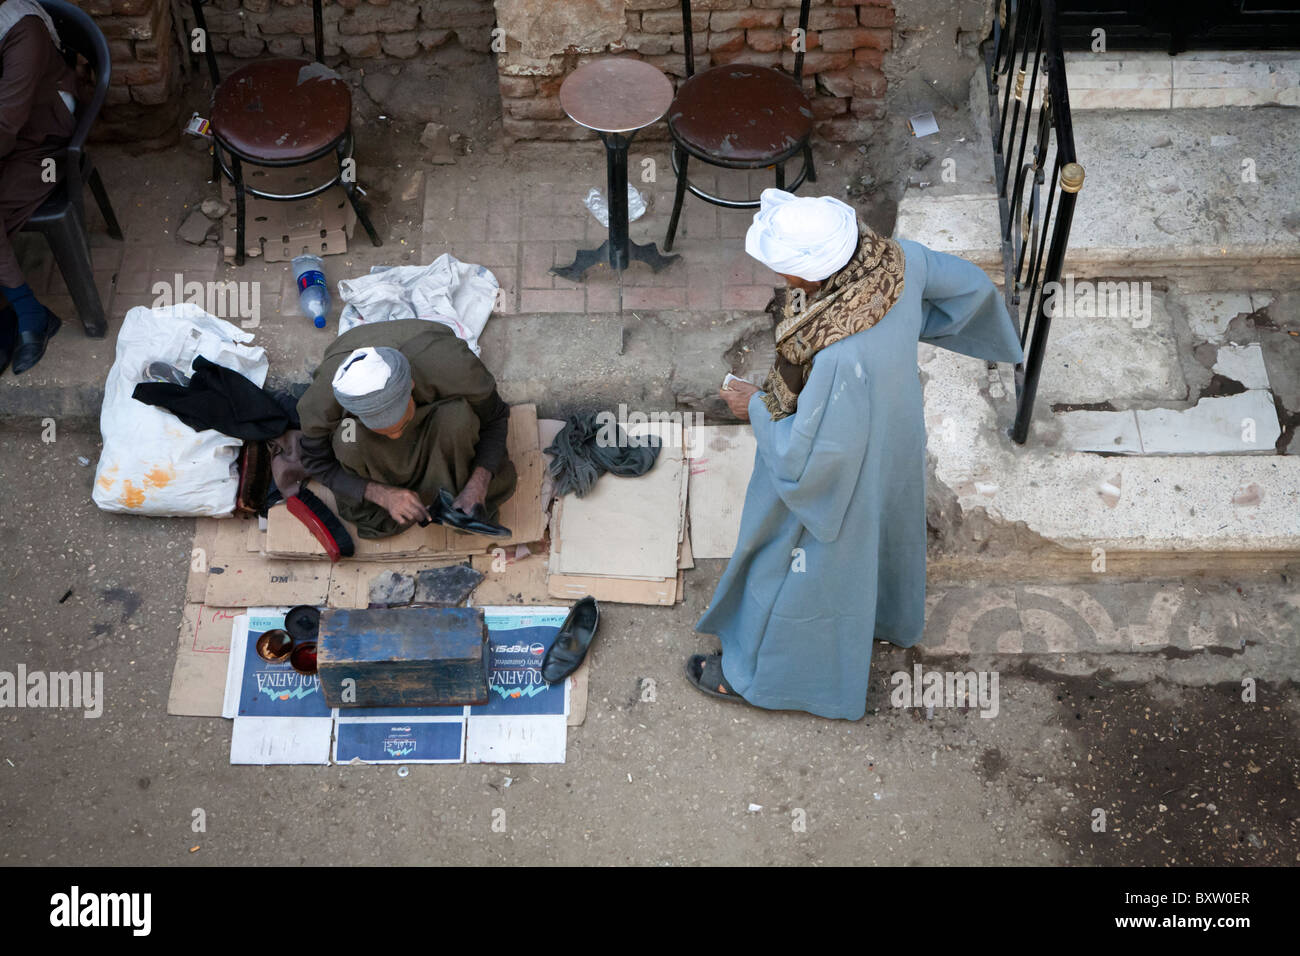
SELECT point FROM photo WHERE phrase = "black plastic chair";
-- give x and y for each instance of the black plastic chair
(62, 217)
(739, 116)
(279, 112)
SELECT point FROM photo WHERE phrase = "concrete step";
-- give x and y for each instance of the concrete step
(1047, 510)
(1145, 80)
(1162, 434)
(1206, 195)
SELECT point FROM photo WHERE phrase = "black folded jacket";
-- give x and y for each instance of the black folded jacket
(222, 399)
(583, 451)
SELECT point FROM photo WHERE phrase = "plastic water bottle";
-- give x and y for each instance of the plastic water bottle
(313, 294)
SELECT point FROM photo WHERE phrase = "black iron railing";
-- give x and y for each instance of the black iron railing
(1028, 100)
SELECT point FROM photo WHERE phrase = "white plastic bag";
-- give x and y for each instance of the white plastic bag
(152, 463)
(595, 202)
(457, 294)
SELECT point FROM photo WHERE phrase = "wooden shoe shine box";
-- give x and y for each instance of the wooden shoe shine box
(403, 657)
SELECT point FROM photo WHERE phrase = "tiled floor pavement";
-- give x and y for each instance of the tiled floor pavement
(518, 212)
(521, 226)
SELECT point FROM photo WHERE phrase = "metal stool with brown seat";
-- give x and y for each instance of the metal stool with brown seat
(739, 116)
(281, 112)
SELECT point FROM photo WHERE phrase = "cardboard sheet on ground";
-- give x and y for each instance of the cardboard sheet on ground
(280, 716)
(625, 527)
(201, 550)
(321, 225)
(510, 580)
(623, 590)
(202, 656)
(720, 469)
(236, 578)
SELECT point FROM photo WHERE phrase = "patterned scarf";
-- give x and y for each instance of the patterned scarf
(850, 301)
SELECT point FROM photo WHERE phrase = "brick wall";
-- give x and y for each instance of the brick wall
(356, 28)
(143, 103)
(846, 44)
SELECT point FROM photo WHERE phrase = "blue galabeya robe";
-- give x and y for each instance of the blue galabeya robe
(831, 553)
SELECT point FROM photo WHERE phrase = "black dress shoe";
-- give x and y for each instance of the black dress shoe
(31, 345)
(8, 336)
(572, 642)
(444, 511)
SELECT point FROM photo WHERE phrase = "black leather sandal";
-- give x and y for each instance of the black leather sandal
(704, 671)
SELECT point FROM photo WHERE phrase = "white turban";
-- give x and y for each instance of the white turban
(812, 237)
(375, 385)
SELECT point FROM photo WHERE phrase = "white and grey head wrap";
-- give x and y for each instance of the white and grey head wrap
(375, 385)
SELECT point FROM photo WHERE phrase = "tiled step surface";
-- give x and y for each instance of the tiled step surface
(1165, 192)
(1243, 424)
(1156, 81)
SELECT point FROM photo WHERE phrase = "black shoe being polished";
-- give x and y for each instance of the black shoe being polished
(444, 511)
(572, 642)
(31, 345)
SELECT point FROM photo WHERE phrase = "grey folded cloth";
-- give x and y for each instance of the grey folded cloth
(592, 444)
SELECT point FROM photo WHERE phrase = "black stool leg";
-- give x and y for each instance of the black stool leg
(350, 187)
(780, 175)
(351, 190)
(237, 172)
(808, 161)
(67, 239)
(105, 207)
(682, 157)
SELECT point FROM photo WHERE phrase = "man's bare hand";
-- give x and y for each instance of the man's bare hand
(737, 398)
(474, 492)
(404, 506)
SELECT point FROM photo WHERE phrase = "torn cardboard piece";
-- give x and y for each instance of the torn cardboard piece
(202, 652)
(201, 550)
(510, 581)
(236, 578)
(625, 527)
(720, 470)
(279, 231)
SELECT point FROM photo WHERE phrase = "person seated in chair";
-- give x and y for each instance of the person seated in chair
(37, 104)
(427, 418)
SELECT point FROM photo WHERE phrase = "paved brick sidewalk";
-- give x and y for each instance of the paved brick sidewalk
(519, 211)
(522, 225)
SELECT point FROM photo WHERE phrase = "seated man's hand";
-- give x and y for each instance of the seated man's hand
(404, 506)
(474, 492)
(737, 398)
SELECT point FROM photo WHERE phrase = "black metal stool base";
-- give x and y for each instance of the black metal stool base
(637, 252)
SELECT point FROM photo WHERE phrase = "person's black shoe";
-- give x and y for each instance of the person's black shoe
(31, 345)
(444, 511)
(8, 336)
(572, 642)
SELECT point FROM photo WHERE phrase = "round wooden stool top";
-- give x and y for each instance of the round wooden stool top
(281, 110)
(616, 95)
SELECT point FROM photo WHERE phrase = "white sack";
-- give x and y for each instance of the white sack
(153, 464)
(457, 294)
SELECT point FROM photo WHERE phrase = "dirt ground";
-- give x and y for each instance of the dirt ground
(1184, 770)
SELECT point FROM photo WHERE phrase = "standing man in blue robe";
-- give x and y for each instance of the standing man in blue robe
(831, 552)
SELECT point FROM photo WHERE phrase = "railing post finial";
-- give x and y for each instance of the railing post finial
(1071, 177)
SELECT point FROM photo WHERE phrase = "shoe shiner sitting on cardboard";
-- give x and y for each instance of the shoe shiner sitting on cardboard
(399, 412)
